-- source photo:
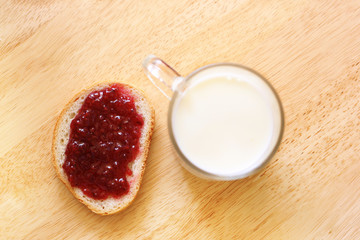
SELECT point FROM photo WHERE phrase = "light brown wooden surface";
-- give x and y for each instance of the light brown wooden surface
(309, 51)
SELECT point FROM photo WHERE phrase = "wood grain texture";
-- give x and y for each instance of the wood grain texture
(309, 51)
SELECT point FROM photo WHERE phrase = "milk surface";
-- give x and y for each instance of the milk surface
(223, 123)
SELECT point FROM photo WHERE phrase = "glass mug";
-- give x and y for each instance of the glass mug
(225, 120)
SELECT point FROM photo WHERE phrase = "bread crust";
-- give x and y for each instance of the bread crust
(144, 153)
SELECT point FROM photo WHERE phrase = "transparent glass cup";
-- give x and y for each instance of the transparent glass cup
(172, 85)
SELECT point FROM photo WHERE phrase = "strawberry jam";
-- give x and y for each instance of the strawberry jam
(104, 139)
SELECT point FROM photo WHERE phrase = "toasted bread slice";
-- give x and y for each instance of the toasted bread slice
(61, 139)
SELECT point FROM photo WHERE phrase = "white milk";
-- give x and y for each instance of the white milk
(223, 123)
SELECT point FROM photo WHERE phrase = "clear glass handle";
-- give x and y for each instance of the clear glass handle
(164, 77)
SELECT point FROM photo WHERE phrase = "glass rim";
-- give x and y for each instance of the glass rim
(205, 174)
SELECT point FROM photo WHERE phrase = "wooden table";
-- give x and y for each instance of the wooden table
(309, 51)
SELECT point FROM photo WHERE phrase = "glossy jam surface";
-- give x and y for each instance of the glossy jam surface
(104, 139)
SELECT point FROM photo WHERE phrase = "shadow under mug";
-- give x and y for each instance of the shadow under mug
(173, 86)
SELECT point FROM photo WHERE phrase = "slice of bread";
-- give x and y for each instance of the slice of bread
(61, 139)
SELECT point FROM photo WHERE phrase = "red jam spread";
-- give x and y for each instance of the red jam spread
(104, 139)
